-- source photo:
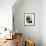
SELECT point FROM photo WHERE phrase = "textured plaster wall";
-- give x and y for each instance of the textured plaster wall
(29, 32)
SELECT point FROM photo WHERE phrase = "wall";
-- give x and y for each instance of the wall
(29, 32)
(6, 13)
(43, 22)
(6, 16)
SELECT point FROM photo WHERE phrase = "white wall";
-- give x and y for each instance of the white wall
(43, 22)
(31, 32)
(6, 13)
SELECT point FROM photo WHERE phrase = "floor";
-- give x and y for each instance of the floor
(12, 42)
(9, 43)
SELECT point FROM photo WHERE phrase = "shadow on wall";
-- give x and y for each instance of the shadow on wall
(28, 6)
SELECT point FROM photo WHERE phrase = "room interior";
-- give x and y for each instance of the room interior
(15, 29)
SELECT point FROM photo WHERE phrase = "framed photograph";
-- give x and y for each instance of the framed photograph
(29, 19)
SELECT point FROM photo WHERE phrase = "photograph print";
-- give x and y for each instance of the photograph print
(29, 19)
